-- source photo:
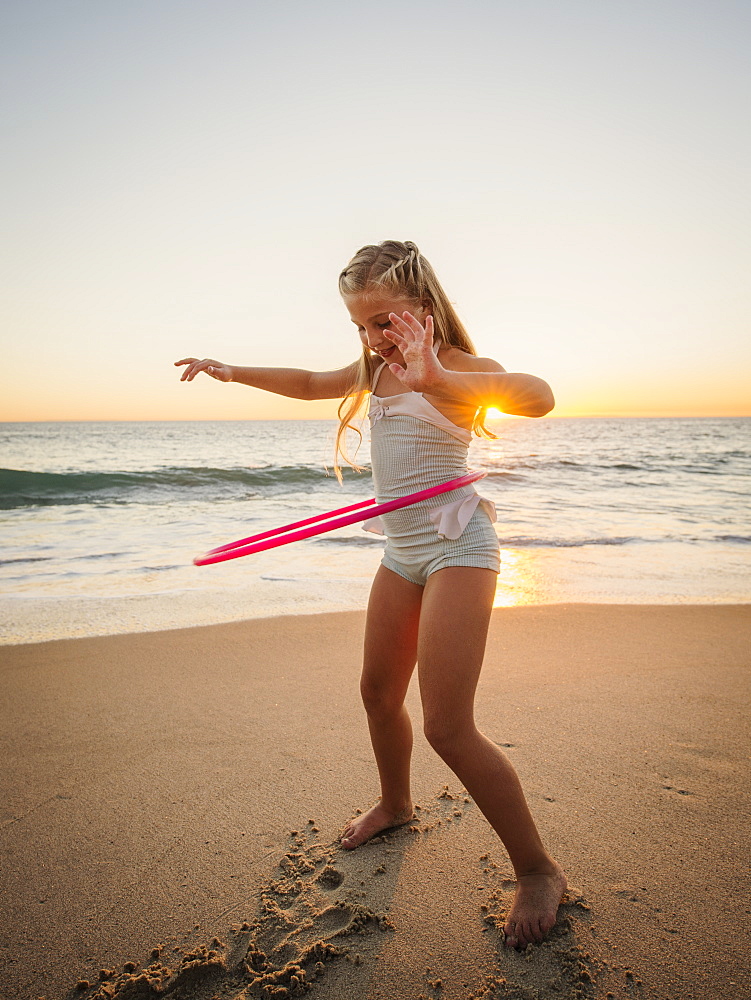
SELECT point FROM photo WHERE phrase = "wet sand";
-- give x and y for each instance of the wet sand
(171, 803)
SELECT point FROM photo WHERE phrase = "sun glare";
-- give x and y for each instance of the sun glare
(519, 581)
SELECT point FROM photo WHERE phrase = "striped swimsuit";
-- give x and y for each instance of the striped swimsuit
(414, 446)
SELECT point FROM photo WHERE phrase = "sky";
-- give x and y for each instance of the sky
(188, 178)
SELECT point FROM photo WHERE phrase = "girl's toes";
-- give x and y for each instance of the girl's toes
(525, 935)
(532, 931)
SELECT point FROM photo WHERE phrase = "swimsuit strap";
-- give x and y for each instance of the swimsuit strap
(377, 375)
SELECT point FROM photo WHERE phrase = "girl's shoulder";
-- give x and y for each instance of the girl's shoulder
(457, 360)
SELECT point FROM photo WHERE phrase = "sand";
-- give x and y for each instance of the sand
(171, 803)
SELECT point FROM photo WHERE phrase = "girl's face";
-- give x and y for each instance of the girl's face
(370, 314)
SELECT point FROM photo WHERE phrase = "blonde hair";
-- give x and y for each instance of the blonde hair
(399, 269)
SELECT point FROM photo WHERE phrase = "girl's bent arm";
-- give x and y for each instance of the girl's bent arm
(297, 383)
(511, 392)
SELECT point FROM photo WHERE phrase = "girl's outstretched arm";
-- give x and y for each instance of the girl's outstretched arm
(476, 381)
(297, 383)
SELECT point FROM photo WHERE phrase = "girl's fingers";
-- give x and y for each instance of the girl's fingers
(187, 375)
(406, 323)
(194, 367)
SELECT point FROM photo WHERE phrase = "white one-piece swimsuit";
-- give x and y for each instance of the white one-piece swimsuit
(414, 446)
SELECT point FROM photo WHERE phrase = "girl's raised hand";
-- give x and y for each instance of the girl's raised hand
(415, 342)
(215, 369)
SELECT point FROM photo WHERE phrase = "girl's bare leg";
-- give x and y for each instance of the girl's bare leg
(390, 654)
(454, 621)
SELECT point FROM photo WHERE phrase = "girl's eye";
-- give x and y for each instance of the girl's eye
(384, 326)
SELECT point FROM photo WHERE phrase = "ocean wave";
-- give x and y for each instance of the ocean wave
(21, 488)
(666, 465)
(508, 476)
(350, 540)
(25, 559)
(526, 541)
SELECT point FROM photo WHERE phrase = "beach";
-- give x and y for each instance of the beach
(172, 802)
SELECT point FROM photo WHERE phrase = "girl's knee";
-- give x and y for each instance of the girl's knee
(449, 738)
(381, 700)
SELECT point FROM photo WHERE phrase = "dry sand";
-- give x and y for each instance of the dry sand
(171, 803)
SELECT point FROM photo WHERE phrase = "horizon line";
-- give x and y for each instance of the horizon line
(507, 416)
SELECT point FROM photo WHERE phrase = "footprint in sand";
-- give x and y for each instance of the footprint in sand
(330, 878)
(560, 966)
(310, 913)
(306, 918)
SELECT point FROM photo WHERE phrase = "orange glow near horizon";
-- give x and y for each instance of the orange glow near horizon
(690, 395)
(696, 408)
(321, 410)
(78, 399)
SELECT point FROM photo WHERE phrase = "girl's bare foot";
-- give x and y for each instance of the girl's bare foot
(362, 828)
(535, 906)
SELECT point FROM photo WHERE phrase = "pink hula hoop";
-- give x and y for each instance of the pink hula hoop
(338, 518)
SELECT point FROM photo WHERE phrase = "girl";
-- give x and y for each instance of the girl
(432, 596)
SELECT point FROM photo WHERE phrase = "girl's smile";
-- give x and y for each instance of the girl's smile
(387, 352)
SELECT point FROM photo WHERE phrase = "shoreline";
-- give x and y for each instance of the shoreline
(285, 587)
(121, 618)
(155, 779)
(126, 617)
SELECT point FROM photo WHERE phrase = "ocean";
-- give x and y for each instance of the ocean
(100, 521)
